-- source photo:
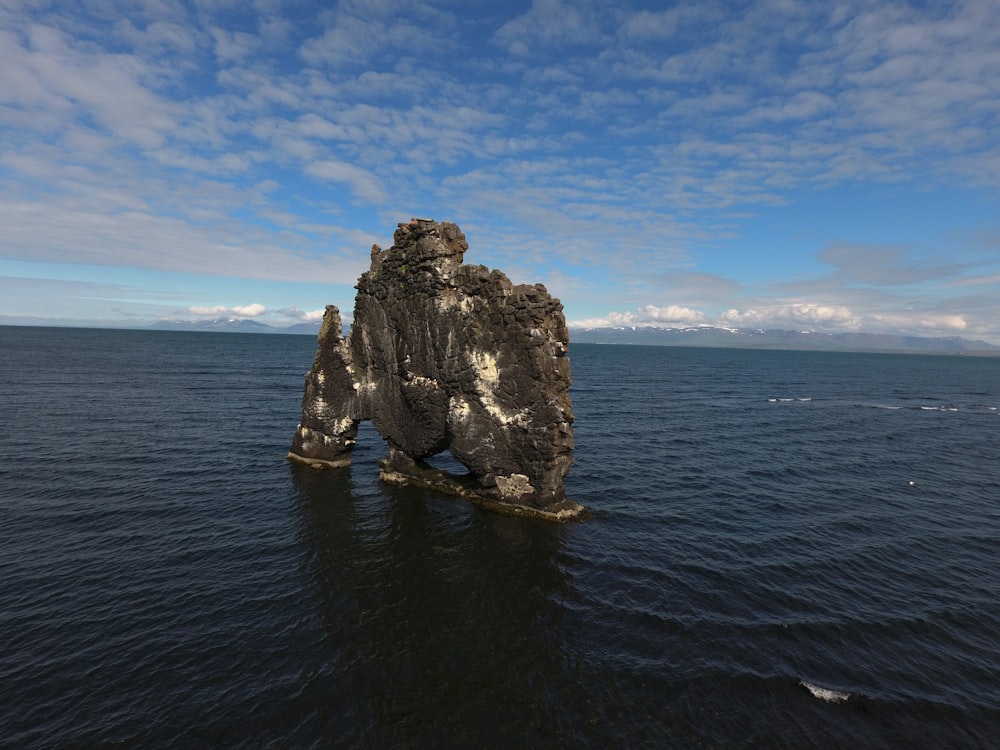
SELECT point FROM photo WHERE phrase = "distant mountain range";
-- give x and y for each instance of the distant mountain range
(234, 325)
(755, 338)
(710, 336)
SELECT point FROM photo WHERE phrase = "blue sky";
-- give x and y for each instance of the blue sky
(808, 165)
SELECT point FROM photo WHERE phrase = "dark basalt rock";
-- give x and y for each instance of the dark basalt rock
(446, 356)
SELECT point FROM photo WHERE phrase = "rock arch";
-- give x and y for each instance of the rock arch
(443, 355)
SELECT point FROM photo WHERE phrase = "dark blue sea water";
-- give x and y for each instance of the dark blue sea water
(788, 550)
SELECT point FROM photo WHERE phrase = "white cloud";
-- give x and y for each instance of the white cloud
(60, 75)
(978, 280)
(885, 265)
(363, 183)
(802, 105)
(163, 36)
(793, 316)
(548, 24)
(669, 316)
(234, 46)
(59, 232)
(646, 24)
(922, 321)
(254, 310)
(303, 315)
(359, 33)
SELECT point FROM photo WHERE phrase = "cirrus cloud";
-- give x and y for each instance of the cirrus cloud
(802, 163)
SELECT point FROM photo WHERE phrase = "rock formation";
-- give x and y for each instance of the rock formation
(446, 356)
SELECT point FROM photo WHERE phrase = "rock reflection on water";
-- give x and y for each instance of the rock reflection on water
(441, 621)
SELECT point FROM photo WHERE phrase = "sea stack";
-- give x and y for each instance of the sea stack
(446, 356)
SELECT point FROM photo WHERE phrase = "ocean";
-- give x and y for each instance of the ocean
(787, 550)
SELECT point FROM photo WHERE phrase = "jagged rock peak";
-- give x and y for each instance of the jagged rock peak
(446, 356)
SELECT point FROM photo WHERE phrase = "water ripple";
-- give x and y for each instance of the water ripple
(773, 531)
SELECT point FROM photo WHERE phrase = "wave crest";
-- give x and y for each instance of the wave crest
(825, 694)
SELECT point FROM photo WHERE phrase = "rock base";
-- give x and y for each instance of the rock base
(466, 487)
(318, 463)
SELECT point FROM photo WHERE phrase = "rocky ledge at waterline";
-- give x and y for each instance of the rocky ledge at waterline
(445, 356)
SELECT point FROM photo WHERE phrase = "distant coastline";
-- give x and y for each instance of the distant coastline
(755, 338)
(699, 336)
(218, 325)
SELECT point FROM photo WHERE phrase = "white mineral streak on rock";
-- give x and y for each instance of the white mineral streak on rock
(309, 437)
(459, 408)
(487, 380)
(486, 368)
(514, 486)
(454, 299)
(306, 443)
(424, 381)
